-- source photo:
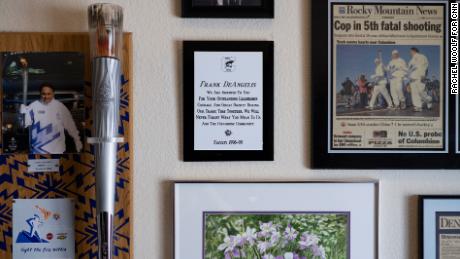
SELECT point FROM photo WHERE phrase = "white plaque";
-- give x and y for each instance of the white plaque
(228, 101)
(42, 165)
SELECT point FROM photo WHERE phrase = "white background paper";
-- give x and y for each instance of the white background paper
(247, 67)
(59, 221)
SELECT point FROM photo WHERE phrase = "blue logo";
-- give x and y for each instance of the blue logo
(342, 10)
(32, 235)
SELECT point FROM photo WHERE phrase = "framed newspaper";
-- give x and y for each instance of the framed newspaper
(439, 227)
(384, 81)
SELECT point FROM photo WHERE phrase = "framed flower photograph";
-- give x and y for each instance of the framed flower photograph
(274, 220)
(287, 234)
(439, 227)
(228, 8)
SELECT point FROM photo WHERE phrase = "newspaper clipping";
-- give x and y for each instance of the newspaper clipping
(387, 76)
(448, 235)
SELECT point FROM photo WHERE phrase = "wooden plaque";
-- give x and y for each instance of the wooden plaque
(75, 178)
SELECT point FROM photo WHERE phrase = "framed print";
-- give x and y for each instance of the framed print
(228, 100)
(228, 8)
(384, 82)
(439, 227)
(274, 220)
(43, 110)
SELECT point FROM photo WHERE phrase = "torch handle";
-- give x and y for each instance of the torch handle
(106, 103)
(105, 196)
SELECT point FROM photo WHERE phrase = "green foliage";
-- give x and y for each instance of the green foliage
(331, 229)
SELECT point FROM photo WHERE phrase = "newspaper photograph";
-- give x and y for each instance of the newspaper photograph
(448, 235)
(387, 77)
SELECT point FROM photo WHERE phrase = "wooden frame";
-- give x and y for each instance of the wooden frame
(267, 10)
(322, 156)
(76, 176)
(190, 154)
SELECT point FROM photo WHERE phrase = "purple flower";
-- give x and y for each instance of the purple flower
(234, 253)
(307, 240)
(275, 237)
(290, 233)
(250, 235)
(263, 246)
(266, 229)
(318, 251)
(228, 245)
(239, 240)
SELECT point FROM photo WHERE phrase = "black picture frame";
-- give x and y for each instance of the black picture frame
(367, 159)
(421, 218)
(457, 125)
(265, 10)
(267, 49)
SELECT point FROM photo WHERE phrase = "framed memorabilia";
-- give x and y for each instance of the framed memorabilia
(43, 106)
(275, 220)
(439, 227)
(228, 100)
(63, 60)
(383, 80)
(228, 8)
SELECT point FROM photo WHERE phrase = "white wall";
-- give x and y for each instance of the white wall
(158, 32)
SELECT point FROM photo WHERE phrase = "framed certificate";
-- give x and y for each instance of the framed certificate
(268, 220)
(439, 227)
(228, 8)
(228, 101)
(383, 80)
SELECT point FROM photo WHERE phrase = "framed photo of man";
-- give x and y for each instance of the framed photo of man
(383, 80)
(43, 102)
(228, 8)
(228, 100)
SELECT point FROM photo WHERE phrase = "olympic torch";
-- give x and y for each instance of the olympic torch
(106, 34)
(25, 83)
